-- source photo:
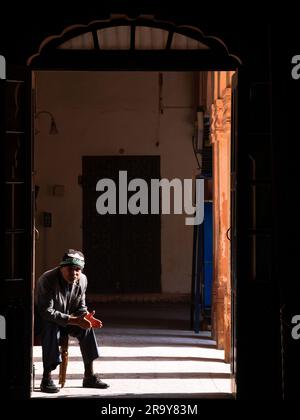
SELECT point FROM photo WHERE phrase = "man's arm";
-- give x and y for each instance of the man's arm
(45, 302)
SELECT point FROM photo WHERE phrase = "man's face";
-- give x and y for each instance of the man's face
(70, 273)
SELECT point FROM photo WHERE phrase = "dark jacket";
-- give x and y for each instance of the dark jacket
(55, 302)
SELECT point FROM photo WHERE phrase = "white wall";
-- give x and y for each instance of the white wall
(99, 113)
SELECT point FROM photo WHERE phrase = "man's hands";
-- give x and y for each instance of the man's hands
(80, 321)
(85, 321)
(96, 323)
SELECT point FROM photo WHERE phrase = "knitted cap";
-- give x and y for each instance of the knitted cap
(73, 257)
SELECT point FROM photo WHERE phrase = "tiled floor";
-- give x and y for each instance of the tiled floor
(146, 361)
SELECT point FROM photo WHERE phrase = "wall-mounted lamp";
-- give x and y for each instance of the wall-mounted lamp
(53, 128)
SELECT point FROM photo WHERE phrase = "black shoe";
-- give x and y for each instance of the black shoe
(93, 382)
(47, 385)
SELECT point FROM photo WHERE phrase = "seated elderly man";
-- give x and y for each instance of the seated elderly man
(61, 305)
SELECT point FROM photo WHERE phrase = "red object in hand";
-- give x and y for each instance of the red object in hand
(96, 323)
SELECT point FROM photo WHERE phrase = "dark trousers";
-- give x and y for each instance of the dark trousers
(50, 338)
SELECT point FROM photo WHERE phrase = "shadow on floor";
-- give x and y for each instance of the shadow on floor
(152, 315)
